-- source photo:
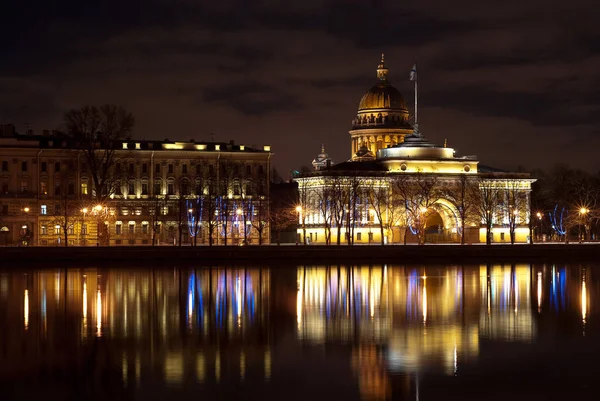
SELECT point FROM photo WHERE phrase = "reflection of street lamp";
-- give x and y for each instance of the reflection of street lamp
(582, 212)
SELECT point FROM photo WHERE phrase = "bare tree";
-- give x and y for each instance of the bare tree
(379, 195)
(463, 194)
(98, 132)
(226, 187)
(259, 215)
(211, 200)
(305, 206)
(67, 206)
(337, 204)
(487, 200)
(324, 198)
(515, 206)
(419, 193)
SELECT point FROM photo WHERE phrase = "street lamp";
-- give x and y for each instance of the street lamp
(582, 212)
(301, 217)
(25, 228)
(539, 216)
(82, 233)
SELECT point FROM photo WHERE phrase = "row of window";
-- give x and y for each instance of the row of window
(131, 168)
(84, 229)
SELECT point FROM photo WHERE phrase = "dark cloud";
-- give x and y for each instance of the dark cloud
(284, 73)
(252, 99)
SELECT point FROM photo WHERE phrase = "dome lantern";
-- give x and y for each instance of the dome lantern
(382, 72)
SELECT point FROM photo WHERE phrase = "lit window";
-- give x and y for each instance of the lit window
(84, 188)
(44, 229)
(57, 229)
(71, 230)
(44, 188)
(43, 209)
(145, 227)
(83, 229)
(119, 228)
(131, 227)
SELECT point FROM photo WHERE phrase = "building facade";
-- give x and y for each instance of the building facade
(398, 187)
(157, 192)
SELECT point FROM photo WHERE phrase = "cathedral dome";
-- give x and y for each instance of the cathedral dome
(382, 95)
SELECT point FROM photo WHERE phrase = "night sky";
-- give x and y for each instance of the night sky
(514, 82)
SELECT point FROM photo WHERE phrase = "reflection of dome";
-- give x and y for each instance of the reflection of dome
(382, 96)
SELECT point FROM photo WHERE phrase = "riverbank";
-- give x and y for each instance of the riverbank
(292, 254)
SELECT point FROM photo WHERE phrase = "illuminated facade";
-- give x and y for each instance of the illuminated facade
(159, 188)
(398, 187)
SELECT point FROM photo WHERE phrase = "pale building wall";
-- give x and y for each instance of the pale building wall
(31, 172)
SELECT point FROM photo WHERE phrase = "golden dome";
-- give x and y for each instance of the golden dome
(382, 95)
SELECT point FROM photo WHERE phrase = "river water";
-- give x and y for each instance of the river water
(361, 332)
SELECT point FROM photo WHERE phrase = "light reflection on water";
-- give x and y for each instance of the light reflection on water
(220, 330)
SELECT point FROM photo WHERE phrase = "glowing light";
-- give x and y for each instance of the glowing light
(583, 301)
(238, 297)
(84, 301)
(238, 212)
(84, 210)
(299, 209)
(242, 366)
(267, 365)
(583, 210)
(98, 314)
(26, 209)
(98, 208)
(200, 369)
(190, 308)
(424, 300)
(539, 291)
(299, 303)
(26, 309)
(455, 360)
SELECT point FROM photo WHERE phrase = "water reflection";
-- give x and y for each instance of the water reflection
(217, 329)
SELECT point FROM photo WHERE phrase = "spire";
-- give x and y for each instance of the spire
(382, 72)
(322, 148)
(445, 142)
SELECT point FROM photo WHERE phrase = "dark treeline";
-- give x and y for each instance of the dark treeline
(565, 204)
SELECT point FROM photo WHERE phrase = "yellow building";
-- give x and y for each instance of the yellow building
(397, 187)
(161, 192)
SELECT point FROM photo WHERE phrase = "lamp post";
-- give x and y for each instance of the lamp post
(301, 218)
(97, 210)
(81, 232)
(582, 212)
(25, 228)
(539, 216)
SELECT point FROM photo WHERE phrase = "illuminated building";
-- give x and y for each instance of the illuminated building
(364, 200)
(157, 187)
